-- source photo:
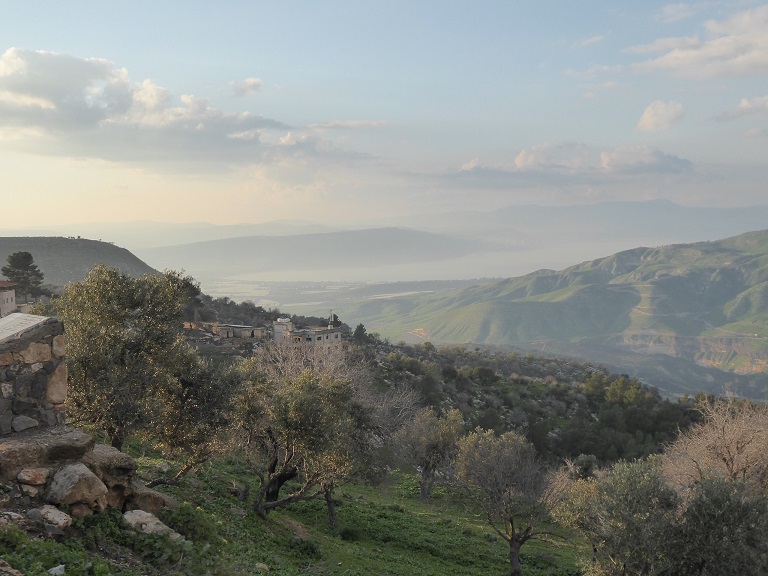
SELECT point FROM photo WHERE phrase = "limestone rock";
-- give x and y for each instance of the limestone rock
(56, 391)
(36, 352)
(261, 567)
(35, 448)
(34, 476)
(76, 484)
(52, 515)
(59, 346)
(8, 570)
(115, 469)
(143, 498)
(148, 523)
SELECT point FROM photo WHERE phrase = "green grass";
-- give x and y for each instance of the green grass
(384, 530)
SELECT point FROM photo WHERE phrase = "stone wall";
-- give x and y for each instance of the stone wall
(33, 372)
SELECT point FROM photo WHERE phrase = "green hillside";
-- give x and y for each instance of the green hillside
(64, 260)
(706, 303)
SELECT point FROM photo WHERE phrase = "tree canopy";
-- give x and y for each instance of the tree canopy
(125, 348)
(22, 270)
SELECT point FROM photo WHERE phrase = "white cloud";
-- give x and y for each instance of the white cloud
(89, 108)
(247, 87)
(561, 157)
(676, 12)
(660, 115)
(642, 159)
(747, 107)
(348, 125)
(589, 41)
(737, 46)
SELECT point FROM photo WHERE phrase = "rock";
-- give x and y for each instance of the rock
(36, 448)
(76, 484)
(143, 498)
(21, 423)
(261, 567)
(52, 515)
(148, 523)
(8, 570)
(59, 345)
(34, 476)
(115, 469)
(56, 391)
(31, 491)
(36, 352)
(80, 510)
(57, 570)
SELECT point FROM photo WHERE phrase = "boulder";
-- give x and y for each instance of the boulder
(143, 498)
(76, 484)
(36, 448)
(52, 515)
(34, 476)
(148, 523)
(115, 469)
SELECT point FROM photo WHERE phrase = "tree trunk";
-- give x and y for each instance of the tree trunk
(331, 505)
(276, 482)
(514, 557)
(426, 483)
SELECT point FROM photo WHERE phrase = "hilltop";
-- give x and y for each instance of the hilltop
(65, 260)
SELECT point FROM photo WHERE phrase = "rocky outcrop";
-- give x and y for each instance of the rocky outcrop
(36, 448)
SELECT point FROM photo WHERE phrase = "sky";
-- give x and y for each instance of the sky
(361, 111)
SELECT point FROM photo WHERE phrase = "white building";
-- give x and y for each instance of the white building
(7, 298)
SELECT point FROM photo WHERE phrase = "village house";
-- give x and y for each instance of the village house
(7, 298)
(284, 330)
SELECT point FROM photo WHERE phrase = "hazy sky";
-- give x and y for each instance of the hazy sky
(340, 111)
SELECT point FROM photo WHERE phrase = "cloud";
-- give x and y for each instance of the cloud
(747, 107)
(560, 157)
(737, 46)
(642, 160)
(348, 125)
(569, 164)
(589, 41)
(676, 12)
(70, 106)
(660, 115)
(247, 87)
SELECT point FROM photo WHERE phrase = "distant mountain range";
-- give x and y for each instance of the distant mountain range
(704, 303)
(475, 243)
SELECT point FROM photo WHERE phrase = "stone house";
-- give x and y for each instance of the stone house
(284, 330)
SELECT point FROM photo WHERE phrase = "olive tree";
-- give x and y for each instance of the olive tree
(124, 347)
(308, 427)
(511, 485)
(627, 515)
(429, 443)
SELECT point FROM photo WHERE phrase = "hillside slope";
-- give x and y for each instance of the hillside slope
(65, 260)
(705, 302)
